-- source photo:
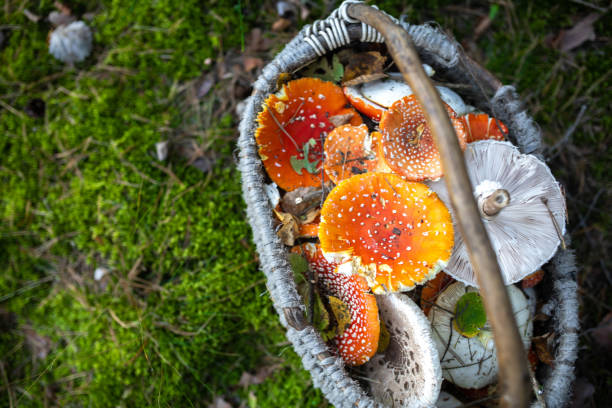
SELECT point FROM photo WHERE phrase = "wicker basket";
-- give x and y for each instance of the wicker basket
(483, 91)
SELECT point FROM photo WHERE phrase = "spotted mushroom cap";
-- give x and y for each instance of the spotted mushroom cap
(481, 126)
(292, 128)
(526, 233)
(395, 233)
(349, 150)
(407, 373)
(359, 341)
(471, 362)
(407, 142)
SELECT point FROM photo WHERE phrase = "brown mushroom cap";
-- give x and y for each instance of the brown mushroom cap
(292, 128)
(396, 233)
(407, 142)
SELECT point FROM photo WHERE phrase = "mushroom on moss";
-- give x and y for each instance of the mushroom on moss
(522, 207)
(407, 141)
(292, 127)
(463, 337)
(359, 341)
(395, 233)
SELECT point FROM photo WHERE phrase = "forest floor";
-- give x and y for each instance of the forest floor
(126, 280)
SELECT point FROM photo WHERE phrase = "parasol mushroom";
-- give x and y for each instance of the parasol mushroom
(359, 341)
(292, 127)
(408, 373)
(349, 150)
(481, 126)
(395, 233)
(464, 339)
(522, 207)
(407, 142)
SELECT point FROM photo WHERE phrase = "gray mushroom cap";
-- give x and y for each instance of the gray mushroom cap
(526, 233)
(408, 373)
(472, 362)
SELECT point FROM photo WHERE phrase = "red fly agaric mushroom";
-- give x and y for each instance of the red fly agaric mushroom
(292, 127)
(481, 126)
(522, 207)
(349, 150)
(407, 142)
(359, 341)
(395, 233)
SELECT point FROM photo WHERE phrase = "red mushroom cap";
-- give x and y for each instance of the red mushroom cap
(396, 233)
(292, 128)
(359, 341)
(369, 108)
(407, 142)
(481, 126)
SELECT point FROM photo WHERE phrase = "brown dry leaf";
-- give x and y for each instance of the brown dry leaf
(290, 227)
(582, 31)
(603, 332)
(281, 24)
(310, 216)
(40, 346)
(256, 42)
(219, 402)
(364, 67)
(259, 377)
(250, 63)
(298, 201)
(543, 347)
(339, 120)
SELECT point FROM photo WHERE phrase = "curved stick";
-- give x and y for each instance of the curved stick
(513, 374)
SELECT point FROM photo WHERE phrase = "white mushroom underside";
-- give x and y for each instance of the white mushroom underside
(408, 373)
(472, 362)
(523, 234)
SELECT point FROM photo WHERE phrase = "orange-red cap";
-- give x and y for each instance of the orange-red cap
(396, 233)
(292, 128)
(481, 126)
(349, 150)
(407, 142)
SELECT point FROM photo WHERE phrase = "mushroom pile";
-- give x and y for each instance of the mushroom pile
(356, 185)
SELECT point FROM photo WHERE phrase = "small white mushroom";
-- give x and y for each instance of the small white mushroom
(522, 206)
(408, 373)
(471, 362)
(71, 42)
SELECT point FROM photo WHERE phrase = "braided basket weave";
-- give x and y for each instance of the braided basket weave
(484, 92)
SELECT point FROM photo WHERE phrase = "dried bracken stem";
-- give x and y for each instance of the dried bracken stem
(513, 375)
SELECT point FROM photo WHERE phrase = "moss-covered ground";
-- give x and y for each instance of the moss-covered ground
(183, 311)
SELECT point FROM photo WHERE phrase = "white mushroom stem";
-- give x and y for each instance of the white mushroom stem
(491, 205)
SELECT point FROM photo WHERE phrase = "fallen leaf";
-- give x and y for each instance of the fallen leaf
(298, 201)
(57, 19)
(161, 150)
(219, 402)
(543, 347)
(31, 16)
(281, 24)
(342, 119)
(287, 9)
(323, 69)
(364, 67)
(250, 63)
(309, 216)
(603, 332)
(40, 346)
(206, 85)
(289, 230)
(582, 31)
(259, 377)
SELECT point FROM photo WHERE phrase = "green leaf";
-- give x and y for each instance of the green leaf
(305, 163)
(323, 70)
(470, 315)
(493, 11)
(299, 264)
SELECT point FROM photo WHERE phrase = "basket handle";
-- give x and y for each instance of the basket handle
(513, 374)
